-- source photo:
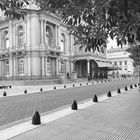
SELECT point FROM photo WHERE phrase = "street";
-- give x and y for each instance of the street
(16, 108)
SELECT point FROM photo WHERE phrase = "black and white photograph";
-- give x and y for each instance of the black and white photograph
(69, 69)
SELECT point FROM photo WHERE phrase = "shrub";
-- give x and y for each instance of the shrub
(74, 105)
(92, 83)
(36, 118)
(10, 86)
(131, 86)
(64, 86)
(41, 89)
(135, 85)
(87, 83)
(126, 88)
(95, 98)
(73, 85)
(109, 94)
(4, 93)
(80, 84)
(118, 91)
(54, 87)
(25, 91)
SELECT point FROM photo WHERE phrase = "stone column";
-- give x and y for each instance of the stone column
(26, 66)
(88, 67)
(29, 65)
(42, 32)
(74, 65)
(58, 37)
(15, 60)
(71, 66)
(44, 28)
(28, 32)
(14, 36)
(2, 68)
(10, 34)
(43, 65)
(35, 32)
(46, 65)
(25, 32)
(11, 66)
(57, 68)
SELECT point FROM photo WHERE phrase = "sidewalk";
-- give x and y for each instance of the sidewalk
(117, 118)
(19, 90)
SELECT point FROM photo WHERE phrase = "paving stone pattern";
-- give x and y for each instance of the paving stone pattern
(15, 108)
(117, 118)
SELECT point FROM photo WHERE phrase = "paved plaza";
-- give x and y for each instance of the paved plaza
(117, 118)
(16, 110)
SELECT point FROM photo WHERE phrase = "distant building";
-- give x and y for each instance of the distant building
(119, 57)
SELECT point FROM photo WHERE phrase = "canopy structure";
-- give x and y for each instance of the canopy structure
(106, 66)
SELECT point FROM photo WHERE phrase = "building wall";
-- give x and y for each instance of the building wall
(40, 46)
(39, 57)
(119, 57)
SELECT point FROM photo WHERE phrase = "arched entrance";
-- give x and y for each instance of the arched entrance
(82, 68)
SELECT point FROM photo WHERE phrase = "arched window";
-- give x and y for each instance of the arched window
(62, 43)
(6, 40)
(48, 36)
(20, 36)
(21, 67)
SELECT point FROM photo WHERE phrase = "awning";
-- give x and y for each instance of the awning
(106, 66)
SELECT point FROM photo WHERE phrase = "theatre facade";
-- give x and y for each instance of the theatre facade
(39, 47)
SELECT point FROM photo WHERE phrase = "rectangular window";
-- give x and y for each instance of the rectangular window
(115, 63)
(120, 62)
(21, 67)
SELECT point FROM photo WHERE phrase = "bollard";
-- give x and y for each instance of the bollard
(25, 91)
(36, 118)
(95, 98)
(74, 105)
(109, 94)
(118, 91)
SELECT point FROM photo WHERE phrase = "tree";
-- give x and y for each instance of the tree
(14, 9)
(135, 54)
(91, 21)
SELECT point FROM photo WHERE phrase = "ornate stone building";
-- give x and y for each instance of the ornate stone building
(39, 47)
(120, 58)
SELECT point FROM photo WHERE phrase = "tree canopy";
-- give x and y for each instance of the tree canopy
(134, 54)
(91, 21)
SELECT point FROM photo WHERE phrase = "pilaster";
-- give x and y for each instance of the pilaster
(10, 34)
(11, 65)
(42, 39)
(88, 67)
(43, 65)
(28, 34)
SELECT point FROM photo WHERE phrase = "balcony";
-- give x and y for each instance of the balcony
(21, 49)
(5, 52)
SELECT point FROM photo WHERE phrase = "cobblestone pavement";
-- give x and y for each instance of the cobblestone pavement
(15, 108)
(117, 118)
